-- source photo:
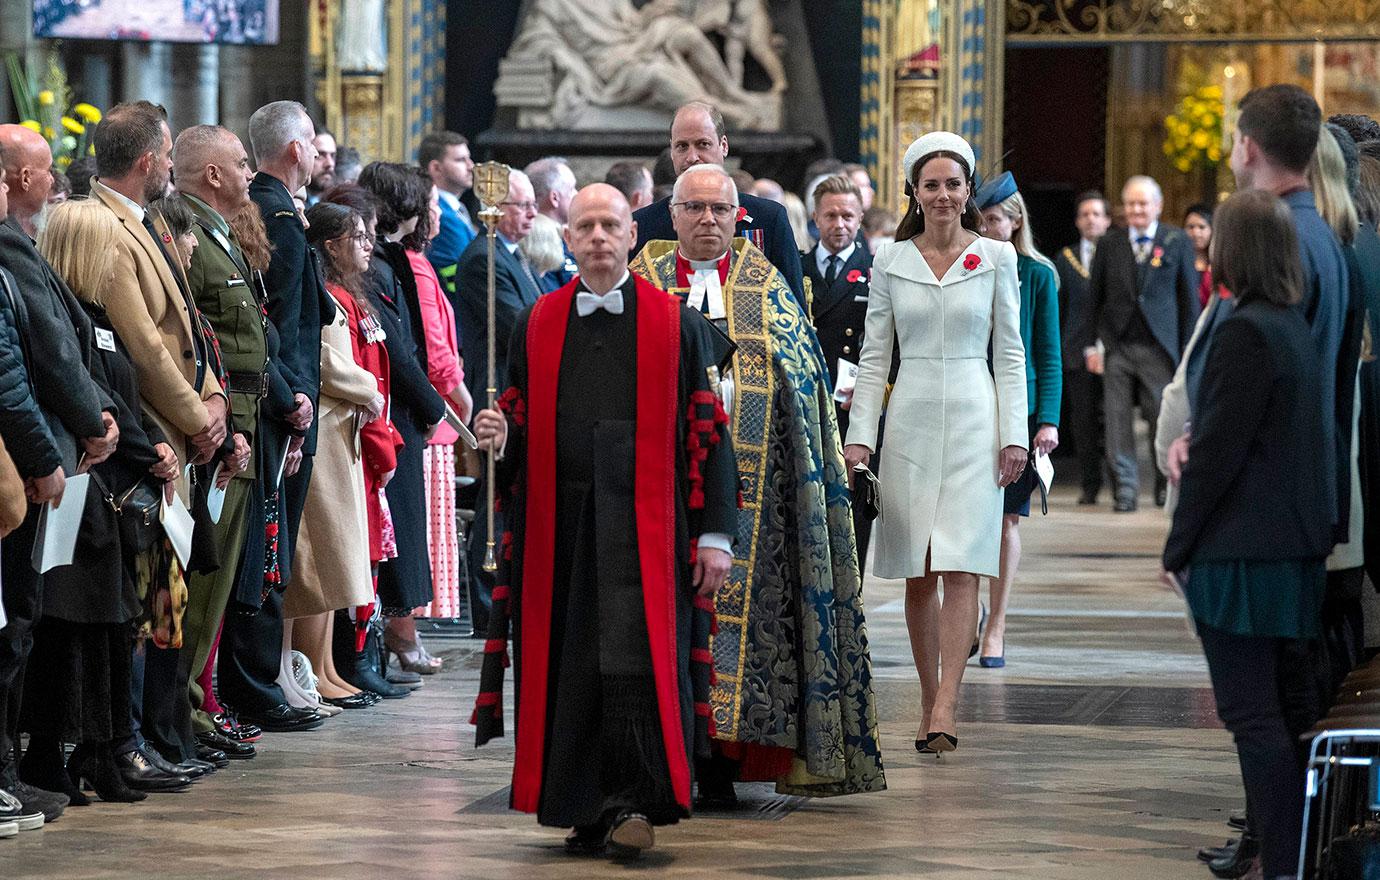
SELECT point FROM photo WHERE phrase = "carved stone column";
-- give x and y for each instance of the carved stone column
(383, 114)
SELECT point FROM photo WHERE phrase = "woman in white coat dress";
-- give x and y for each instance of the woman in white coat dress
(946, 293)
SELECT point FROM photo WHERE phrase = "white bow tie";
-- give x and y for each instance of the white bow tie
(587, 303)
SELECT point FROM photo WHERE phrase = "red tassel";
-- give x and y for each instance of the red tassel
(500, 593)
(495, 646)
(702, 709)
(701, 655)
(704, 603)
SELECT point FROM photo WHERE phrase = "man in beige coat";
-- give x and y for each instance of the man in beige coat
(176, 358)
(149, 309)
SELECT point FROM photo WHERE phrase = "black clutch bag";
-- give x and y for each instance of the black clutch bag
(867, 493)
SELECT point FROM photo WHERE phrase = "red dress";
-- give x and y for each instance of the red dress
(379, 441)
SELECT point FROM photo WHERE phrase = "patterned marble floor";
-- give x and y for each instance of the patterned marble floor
(1095, 753)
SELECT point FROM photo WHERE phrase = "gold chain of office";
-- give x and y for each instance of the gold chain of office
(1111, 21)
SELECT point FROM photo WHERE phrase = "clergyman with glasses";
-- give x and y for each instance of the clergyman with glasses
(792, 700)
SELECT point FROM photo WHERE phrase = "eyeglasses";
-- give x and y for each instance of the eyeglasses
(521, 206)
(357, 238)
(721, 210)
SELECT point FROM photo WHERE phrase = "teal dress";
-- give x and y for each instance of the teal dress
(1279, 598)
(1044, 370)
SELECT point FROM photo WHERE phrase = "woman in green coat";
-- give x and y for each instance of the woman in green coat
(1006, 218)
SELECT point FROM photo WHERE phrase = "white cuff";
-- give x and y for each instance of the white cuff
(716, 541)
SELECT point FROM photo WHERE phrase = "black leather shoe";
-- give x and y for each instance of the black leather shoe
(1239, 861)
(354, 701)
(283, 718)
(172, 768)
(141, 775)
(231, 748)
(230, 727)
(215, 757)
(586, 840)
(630, 834)
(1213, 853)
(1124, 505)
(1087, 498)
(1237, 821)
(716, 795)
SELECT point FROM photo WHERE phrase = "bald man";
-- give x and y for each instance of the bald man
(79, 412)
(212, 170)
(630, 498)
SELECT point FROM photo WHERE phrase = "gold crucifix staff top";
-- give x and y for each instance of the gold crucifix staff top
(491, 186)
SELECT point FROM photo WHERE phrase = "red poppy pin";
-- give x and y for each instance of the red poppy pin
(971, 262)
(167, 238)
(1156, 257)
(743, 215)
(854, 276)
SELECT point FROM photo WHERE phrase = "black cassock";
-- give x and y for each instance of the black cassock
(603, 739)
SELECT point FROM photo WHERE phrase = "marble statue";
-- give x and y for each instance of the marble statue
(591, 64)
(362, 40)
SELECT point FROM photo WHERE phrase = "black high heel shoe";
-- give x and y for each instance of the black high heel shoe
(938, 743)
(923, 747)
(42, 767)
(97, 768)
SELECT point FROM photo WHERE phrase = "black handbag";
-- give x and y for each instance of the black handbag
(867, 493)
(137, 510)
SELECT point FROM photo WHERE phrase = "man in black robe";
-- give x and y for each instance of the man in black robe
(624, 489)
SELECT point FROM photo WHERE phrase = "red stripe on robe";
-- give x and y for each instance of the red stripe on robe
(658, 377)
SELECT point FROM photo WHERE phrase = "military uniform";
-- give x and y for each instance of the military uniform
(221, 283)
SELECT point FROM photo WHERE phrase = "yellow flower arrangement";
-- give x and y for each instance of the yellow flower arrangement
(44, 103)
(1193, 133)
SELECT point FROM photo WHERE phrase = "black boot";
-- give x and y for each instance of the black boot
(1238, 861)
(43, 767)
(363, 670)
(96, 767)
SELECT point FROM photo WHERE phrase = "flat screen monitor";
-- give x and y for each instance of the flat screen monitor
(242, 22)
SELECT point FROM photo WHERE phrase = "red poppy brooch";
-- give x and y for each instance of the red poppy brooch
(167, 238)
(743, 215)
(854, 276)
(1157, 257)
(971, 262)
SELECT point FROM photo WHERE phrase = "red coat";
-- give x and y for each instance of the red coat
(379, 441)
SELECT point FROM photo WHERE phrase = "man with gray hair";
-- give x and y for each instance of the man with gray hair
(698, 137)
(1145, 301)
(553, 186)
(281, 135)
(813, 700)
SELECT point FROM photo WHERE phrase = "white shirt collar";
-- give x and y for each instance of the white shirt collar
(125, 200)
(822, 256)
(510, 245)
(618, 286)
(449, 198)
(1086, 248)
(706, 265)
(1148, 231)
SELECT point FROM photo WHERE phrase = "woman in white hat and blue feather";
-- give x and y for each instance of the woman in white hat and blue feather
(946, 294)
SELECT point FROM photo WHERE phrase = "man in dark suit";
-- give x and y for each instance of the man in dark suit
(281, 135)
(1145, 300)
(839, 270)
(515, 288)
(698, 137)
(1083, 387)
(445, 157)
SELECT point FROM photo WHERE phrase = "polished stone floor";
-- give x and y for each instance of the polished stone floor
(1094, 754)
